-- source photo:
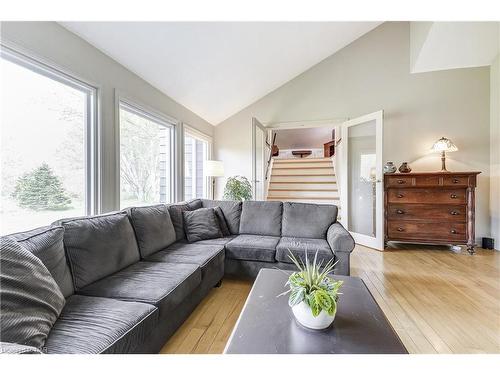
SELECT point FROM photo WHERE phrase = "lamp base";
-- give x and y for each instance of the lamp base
(443, 162)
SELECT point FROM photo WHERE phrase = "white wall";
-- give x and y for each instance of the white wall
(495, 151)
(370, 74)
(52, 42)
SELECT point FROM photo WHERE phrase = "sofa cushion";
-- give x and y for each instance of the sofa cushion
(175, 210)
(153, 228)
(30, 299)
(252, 247)
(261, 218)
(307, 220)
(12, 348)
(215, 241)
(46, 244)
(164, 285)
(208, 257)
(231, 210)
(221, 220)
(91, 325)
(98, 246)
(201, 224)
(298, 247)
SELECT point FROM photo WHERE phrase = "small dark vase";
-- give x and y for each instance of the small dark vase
(405, 168)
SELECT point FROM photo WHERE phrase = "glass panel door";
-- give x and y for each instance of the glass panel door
(258, 159)
(361, 177)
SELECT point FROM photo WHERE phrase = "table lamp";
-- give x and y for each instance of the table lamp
(213, 169)
(444, 145)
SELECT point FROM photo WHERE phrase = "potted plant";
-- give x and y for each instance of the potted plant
(238, 188)
(313, 294)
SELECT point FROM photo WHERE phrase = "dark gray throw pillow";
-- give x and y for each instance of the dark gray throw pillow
(201, 224)
(30, 299)
(221, 219)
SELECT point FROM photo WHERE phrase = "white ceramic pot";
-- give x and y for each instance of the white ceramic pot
(304, 316)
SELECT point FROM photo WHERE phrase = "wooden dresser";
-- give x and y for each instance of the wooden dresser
(430, 208)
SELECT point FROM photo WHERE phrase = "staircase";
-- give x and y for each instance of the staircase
(307, 180)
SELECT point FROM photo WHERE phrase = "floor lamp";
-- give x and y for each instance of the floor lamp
(214, 169)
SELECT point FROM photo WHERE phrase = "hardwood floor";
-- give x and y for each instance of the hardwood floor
(438, 301)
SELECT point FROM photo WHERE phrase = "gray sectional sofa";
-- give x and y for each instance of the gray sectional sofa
(130, 278)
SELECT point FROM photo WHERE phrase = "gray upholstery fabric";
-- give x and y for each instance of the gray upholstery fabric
(252, 247)
(30, 299)
(46, 243)
(201, 224)
(216, 241)
(191, 253)
(164, 285)
(12, 348)
(261, 217)
(222, 222)
(231, 210)
(98, 246)
(90, 325)
(249, 269)
(339, 239)
(176, 211)
(307, 220)
(153, 228)
(298, 247)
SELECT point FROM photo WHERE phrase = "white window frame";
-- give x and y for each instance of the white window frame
(196, 134)
(38, 65)
(147, 112)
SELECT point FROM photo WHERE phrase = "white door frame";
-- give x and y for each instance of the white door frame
(376, 242)
(257, 124)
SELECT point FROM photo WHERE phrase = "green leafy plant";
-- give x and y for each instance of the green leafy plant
(41, 189)
(238, 188)
(312, 285)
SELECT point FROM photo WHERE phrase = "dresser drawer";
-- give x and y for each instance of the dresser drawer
(432, 196)
(427, 212)
(426, 232)
(455, 180)
(399, 180)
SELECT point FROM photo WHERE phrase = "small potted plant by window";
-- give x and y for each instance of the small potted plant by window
(313, 294)
(238, 188)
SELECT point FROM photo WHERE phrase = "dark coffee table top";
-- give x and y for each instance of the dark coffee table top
(267, 324)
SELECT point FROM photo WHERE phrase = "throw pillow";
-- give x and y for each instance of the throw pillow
(201, 224)
(31, 300)
(221, 219)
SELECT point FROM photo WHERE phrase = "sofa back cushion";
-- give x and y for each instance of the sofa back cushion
(175, 210)
(153, 228)
(201, 224)
(308, 220)
(31, 300)
(261, 217)
(46, 244)
(98, 246)
(231, 211)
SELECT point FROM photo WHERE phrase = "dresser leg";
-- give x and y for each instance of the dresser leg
(470, 249)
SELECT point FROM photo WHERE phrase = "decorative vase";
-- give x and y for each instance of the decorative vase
(389, 167)
(304, 316)
(405, 168)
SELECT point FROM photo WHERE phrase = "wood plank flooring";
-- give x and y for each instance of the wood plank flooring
(438, 301)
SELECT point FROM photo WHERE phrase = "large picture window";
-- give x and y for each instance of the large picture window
(47, 144)
(146, 157)
(196, 151)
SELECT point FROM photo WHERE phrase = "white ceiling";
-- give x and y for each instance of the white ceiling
(218, 68)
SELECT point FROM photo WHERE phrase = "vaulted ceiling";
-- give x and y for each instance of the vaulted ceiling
(215, 69)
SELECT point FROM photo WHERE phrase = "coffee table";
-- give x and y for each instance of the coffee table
(267, 325)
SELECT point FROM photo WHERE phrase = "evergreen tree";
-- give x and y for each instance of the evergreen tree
(40, 190)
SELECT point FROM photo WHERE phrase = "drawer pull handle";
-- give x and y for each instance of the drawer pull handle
(401, 182)
(453, 231)
(453, 196)
(456, 180)
(454, 213)
(400, 212)
(400, 229)
(400, 195)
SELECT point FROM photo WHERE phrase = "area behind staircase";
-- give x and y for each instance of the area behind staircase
(308, 180)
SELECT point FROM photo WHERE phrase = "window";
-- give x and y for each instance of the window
(146, 157)
(196, 151)
(47, 156)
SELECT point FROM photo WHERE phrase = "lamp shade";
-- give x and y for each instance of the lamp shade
(214, 168)
(444, 144)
